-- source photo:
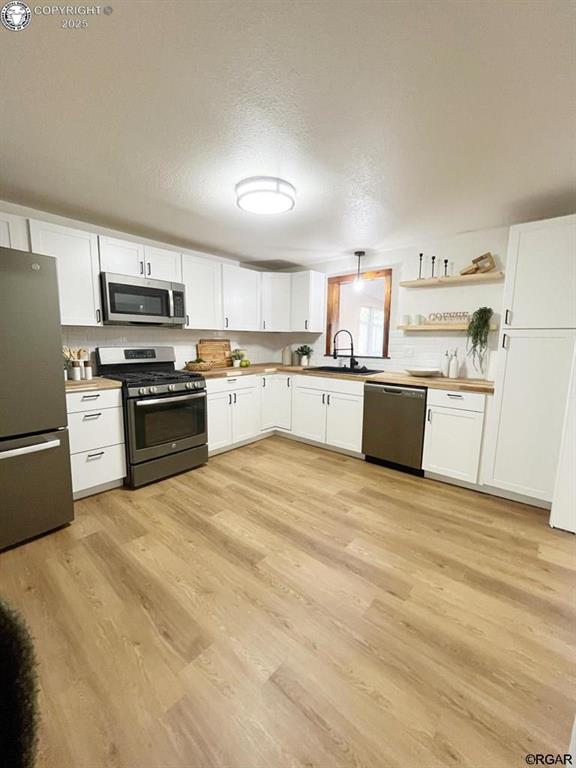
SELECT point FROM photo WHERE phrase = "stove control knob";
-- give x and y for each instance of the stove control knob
(142, 391)
(171, 387)
(154, 389)
(189, 385)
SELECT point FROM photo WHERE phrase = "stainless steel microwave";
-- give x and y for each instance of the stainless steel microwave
(128, 300)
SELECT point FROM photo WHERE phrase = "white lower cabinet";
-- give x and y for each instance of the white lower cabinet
(96, 429)
(452, 442)
(344, 415)
(233, 411)
(309, 414)
(453, 434)
(328, 411)
(276, 402)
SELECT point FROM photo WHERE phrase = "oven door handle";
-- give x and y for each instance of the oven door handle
(170, 303)
(180, 398)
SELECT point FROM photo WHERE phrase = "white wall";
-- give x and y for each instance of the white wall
(427, 349)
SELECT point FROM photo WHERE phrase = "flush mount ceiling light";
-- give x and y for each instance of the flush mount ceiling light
(358, 283)
(265, 195)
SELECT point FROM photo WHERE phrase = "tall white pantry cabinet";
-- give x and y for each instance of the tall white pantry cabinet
(535, 357)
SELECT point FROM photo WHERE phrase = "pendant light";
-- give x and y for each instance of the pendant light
(358, 282)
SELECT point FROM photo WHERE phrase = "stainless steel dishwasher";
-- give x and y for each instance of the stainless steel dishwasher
(394, 424)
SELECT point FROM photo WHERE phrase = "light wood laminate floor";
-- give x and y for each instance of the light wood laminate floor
(288, 606)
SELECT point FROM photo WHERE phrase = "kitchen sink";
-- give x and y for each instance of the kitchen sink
(361, 371)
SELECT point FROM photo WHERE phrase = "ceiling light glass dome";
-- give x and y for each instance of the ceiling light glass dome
(265, 195)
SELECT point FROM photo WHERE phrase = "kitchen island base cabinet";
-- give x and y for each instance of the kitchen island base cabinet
(452, 442)
(276, 402)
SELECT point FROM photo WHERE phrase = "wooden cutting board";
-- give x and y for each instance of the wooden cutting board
(216, 350)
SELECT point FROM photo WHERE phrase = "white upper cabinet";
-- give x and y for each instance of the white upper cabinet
(203, 280)
(162, 264)
(541, 275)
(241, 298)
(121, 256)
(308, 301)
(276, 301)
(124, 257)
(13, 232)
(530, 398)
(76, 253)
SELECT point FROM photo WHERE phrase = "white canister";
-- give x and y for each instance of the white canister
(304, 361)
(287, 356)
(406, 320)
(76, 371)
(236, 363)
(87, 369)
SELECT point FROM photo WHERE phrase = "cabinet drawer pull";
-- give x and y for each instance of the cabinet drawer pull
(91, 397)
(91, 416)
(451, 394)
(95, 455)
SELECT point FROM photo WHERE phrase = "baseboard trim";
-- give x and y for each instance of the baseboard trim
(490, 490)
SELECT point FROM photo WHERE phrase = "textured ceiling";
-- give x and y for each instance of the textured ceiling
(395, 120)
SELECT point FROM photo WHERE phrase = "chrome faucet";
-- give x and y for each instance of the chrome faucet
(353, 361)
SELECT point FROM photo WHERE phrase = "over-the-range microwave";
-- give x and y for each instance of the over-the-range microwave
(128, 300)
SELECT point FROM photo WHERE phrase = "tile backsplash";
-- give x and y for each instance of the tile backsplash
(260, 347)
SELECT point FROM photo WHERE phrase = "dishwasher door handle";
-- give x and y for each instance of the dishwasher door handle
(391, 389)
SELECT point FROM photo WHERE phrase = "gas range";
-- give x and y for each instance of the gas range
(158, 382)
(164, 411)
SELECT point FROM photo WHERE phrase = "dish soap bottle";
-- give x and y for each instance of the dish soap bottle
(454, 366)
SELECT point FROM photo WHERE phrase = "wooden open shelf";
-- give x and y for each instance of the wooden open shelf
(477, 277)
(435, 327)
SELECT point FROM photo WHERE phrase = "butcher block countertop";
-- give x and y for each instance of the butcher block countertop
(98, 382)
(434, 382)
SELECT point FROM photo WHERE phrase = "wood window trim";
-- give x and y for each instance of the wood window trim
(333, 303)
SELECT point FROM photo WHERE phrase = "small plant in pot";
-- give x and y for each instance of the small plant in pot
(304, 353)
(478, 332)
(237, 356)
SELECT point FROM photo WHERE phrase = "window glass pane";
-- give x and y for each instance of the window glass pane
(362, 313)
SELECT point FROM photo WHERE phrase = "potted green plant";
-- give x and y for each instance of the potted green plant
(478, 331)
(304, 353)
(237, 356)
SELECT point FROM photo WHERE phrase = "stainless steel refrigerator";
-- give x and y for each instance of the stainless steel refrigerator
(35, 481)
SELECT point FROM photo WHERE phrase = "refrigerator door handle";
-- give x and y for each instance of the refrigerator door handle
(45, 446)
